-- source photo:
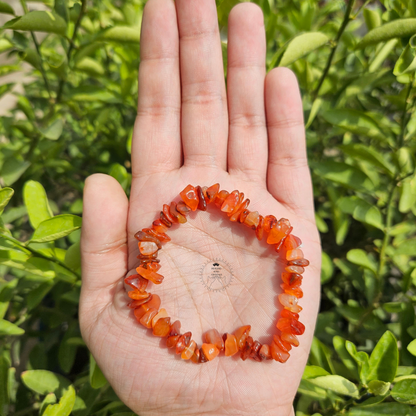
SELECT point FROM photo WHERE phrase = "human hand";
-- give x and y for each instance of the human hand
(190, 130)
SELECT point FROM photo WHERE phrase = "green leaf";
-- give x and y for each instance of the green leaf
(406, 62)
(312, 371)
(4, 394)
(368, 154)
(73, 257)
(65, 405)
(12, 384)
(120, 173)
(337, 384)
(405, 391)
(36, 202)
(49, 399)
(5, 88)
(5, 196)
(12, 170)
(382, 55)
(302, 45)
(97, 379)
(360, 258)
(354, 121)
(344, 174)
(407, 247)
(378, 388)
(3, 308)
(405, 160)
(7, 69)
(64, 274)
(361, 210)
(31, 57)
(121, 34)
(53, 131)
(406, 320)
(8, 328)
(399, 28)
(4, 46)
(407, 195)
(383, 409)
(327, 269)
(87, 50)
(384, 359)
(372, 19)
(361, 359)
(393, 307)
(56, 227)
(339, 346)
(26, 106)
(374, 400)
(412, 347)
(61, 8)
(44, 382)
(320, 223)
(38, 21)
(90, 93)
(320, 356)
(314, 111)
(36, 296)
(67, 350)
(7, 9)
(309, 389)
(370, 215)
(90, 66)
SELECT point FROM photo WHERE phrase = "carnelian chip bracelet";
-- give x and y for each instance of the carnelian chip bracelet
(277, 232)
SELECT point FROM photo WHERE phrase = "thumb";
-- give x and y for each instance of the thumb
(103, 240)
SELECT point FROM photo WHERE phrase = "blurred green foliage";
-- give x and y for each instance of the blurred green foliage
(73, 116)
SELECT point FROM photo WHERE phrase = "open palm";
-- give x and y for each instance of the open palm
(189, 130)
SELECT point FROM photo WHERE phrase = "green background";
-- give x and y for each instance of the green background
(68, 90)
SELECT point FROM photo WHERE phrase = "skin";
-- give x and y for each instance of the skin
(190, 129)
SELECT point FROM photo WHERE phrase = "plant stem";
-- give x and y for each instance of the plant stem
(347, 19)
(386, 239)
(71, 46)
(389, 220)
(360, 8)
(30, 250)
(404, 117)
(35, 41)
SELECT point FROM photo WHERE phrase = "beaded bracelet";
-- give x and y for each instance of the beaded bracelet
(146, 305)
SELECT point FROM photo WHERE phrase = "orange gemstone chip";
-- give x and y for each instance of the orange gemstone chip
(190, 197)
(231, 346)
(210, 351)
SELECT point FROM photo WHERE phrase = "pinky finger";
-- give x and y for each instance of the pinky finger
(288, 176)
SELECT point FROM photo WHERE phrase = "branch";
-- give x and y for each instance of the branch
(71, 46)
(359, 10)
(35, 41)
(347, 19)
(30, 250)
(404, 117)
(386, 239)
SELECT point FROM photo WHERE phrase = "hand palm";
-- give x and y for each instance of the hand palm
(147, 376)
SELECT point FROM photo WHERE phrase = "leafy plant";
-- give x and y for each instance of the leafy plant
(356, 64)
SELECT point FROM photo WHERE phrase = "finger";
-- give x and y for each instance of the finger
(103, 238)
(204, 104)
(288, 176)
(247, 147)
(156, 142)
